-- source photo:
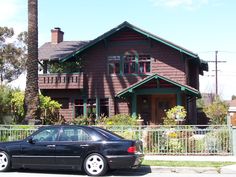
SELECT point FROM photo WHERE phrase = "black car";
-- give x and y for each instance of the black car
(92, 149)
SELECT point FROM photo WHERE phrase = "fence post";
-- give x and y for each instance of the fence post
(234, 140)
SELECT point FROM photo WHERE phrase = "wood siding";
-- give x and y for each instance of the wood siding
(97, 82)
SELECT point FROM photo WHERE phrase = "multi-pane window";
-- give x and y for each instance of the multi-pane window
(63, 101)
(104, 107)
(91, 108)
(79, 108)
(114, 64)
(144, 64)
(129, 64)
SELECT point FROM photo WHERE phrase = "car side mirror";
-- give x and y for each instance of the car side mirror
(31, 141)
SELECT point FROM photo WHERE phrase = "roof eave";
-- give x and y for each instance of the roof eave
(188, 90)
(126, 24)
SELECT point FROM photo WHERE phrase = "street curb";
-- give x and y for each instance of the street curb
(230, 169)
(205, 170)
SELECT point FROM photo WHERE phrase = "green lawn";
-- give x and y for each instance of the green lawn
(186, 163)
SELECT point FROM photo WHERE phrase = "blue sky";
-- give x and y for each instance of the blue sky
(201, 26)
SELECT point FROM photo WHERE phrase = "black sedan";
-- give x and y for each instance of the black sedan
(92, 149)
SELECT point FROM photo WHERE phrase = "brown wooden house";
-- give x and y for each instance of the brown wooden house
(126, 70)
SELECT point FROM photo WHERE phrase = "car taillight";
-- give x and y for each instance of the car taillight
(131, 149)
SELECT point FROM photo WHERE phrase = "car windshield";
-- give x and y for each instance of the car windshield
(110, 135)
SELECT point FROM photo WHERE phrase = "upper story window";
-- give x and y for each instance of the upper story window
(129, 64)
(114, 64)
(144, 64)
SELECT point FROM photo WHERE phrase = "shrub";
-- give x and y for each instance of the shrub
(80, 121)
(217, 112)
(17, 102)
(50, 110)
(177, 113)
(5, 100)
(118, 119)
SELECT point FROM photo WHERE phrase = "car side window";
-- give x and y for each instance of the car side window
(49, 134)
(74, 134)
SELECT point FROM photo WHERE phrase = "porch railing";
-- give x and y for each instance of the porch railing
(173, 140)
(61, 81)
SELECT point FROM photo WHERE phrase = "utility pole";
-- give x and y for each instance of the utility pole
(216, 71)
(216, 53)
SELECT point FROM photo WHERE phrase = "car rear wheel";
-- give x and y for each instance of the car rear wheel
(4, 162)
(95, 165)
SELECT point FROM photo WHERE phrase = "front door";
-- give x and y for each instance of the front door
(162, 104)
(144, 107)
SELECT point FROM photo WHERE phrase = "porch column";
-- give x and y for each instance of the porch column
(179, 99)
(85, 106)
(97, 107)
(134, 105)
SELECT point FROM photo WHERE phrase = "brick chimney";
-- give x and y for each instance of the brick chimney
(57, 35)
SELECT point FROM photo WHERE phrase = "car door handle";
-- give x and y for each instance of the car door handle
(51, 146)
(84, 145)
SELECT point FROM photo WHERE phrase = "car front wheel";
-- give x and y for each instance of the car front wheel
(4, 162)
(95, 165)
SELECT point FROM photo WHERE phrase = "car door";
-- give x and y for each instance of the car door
(39, 150)
(72, 145)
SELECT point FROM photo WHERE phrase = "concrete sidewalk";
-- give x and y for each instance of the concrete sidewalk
(191, 158)
(230, 169)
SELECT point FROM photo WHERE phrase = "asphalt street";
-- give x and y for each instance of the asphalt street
(121, 173)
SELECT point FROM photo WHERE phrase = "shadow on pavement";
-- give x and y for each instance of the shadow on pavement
(141, 171)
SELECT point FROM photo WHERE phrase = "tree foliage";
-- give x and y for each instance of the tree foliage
(17, 102)
(5, 101)
(66, 67)
(217, 112)
(49, 108)
(12, 54)
(233, 97)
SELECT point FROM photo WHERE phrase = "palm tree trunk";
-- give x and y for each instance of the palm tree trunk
(31, 102)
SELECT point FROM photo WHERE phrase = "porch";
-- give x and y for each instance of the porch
(155, 94)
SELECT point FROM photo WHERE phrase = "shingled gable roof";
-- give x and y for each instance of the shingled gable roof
(189, 90)
(204, 64)
(49, 51)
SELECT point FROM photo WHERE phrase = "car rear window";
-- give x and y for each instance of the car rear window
(108, 134)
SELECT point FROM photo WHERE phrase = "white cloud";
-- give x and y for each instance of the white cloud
(13, 13)
(189, 4)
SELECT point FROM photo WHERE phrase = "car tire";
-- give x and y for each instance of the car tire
(4, 161)
(95, 165)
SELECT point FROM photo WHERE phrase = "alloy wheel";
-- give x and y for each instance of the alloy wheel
(4, 161)
(95, 165)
